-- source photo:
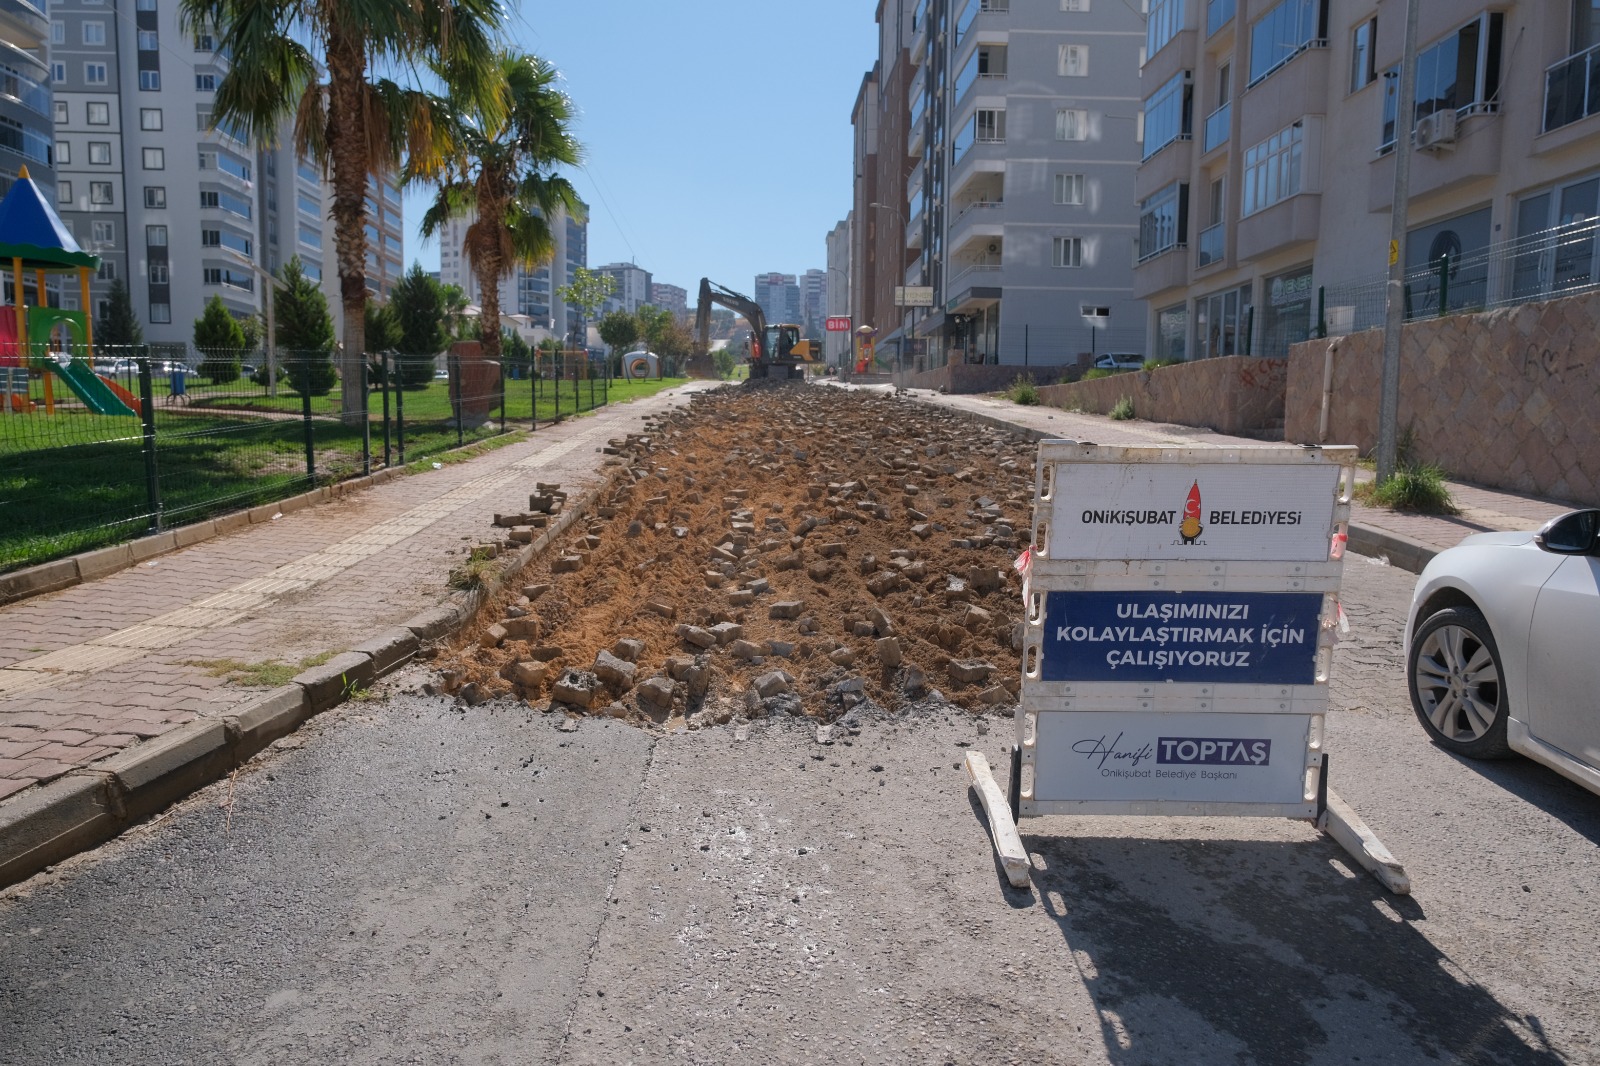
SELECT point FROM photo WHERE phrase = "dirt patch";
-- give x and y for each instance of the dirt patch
(775, 550)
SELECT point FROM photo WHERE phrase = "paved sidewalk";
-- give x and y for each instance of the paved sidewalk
(92, 670)
(1409, 540)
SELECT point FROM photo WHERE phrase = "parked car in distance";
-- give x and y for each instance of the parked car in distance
(1120, 361)
(1502, 646)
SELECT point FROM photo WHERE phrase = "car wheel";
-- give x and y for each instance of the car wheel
(1457, 684)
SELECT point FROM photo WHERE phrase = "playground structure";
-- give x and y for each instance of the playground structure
(36, 243)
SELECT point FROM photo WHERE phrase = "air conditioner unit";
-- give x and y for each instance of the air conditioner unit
(1437, 131)
(993, 247)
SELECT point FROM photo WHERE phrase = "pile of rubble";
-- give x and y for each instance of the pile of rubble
(778, 551)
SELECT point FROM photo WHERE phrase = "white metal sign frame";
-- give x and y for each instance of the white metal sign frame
(1146, 562)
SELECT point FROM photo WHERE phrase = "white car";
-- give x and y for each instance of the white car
(1120, 361)
(1503, 646)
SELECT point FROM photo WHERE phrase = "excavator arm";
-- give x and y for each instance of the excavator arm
(739, 304)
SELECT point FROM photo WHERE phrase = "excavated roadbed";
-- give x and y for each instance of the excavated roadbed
(771, 550)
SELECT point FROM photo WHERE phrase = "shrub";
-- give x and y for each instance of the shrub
(1096, 373)
(1022, 391)
(1122, 410)
(1419, 488)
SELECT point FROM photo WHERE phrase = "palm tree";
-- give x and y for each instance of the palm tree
(500, 168)
(316, 60)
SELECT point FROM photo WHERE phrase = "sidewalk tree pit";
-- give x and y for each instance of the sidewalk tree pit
(769, 550)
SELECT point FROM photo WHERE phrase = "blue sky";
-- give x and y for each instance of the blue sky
(717, 132)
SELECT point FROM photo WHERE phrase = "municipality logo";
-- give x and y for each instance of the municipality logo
(1190, 528)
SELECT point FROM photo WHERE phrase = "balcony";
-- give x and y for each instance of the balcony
(917, 137)
(1213, 246)
(1295, 220)
(1572, 89)
(1218, 14)
(919, 35)
(1476, 153)
(1217, 127)
(978, 230)
(33, 23)
(1161, 271)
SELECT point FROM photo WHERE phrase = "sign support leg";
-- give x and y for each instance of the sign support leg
(1345, 826)
(1003, 828)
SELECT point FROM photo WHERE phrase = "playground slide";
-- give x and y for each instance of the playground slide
(95, 393)
(122, 394)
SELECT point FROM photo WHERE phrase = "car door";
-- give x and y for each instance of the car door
(1564, 660)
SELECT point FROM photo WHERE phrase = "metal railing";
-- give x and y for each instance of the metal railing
(1563, 261)
(103, 446)
(1572, 89)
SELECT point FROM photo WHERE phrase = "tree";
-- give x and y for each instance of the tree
(119, 325)
(354, 123)
(722, 360)
(220, 340)
(515, 353)
(586, 292)
(501, 170)
(619, 329)
(382, 327)
(305, 334)
(418, 304)
(456, 303)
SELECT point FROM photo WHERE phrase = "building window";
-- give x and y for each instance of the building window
(1284, 32)
(94, 34)
(205, 42)
(208, 198)
(1074, 5)
(58, 32)
(100, 192)
(107, 271)
(990, 126)
(308, 204)
(149, 41)
(158, 274)
(1072, 124)
(149, 118)
(150, 81)
(1362, 71)
(61, 112)
(94, 73)
(1069, 189)
(205, 83)
(1455, 74)
(103, 232)
(1073, 61)
(1164, 221)
(100, 153)
(58, 72)
(155, 236)
(1555, 241)
(160, 313)
(1169, 114)
(1162, 24)
(144, 5)
(155, 196)
(1172, 334)
(1272, 170)
(98, 113)
(63, 192)
(155, 159)
(63, 153)
(1067, 252)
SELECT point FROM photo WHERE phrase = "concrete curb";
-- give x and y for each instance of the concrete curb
(42, 826)
(87, 566)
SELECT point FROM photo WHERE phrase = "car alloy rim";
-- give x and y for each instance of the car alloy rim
(1457, 682)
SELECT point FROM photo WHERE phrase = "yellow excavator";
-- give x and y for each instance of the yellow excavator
(776, 351)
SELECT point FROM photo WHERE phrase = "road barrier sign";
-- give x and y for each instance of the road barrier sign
(1181, 612)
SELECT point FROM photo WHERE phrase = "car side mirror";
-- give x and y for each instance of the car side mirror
(1577, 533)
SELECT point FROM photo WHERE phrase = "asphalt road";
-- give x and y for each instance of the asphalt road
(405, 882)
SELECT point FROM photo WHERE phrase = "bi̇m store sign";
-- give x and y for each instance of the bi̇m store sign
(1175, 660)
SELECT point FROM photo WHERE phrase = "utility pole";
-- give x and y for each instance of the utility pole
(1394, 316)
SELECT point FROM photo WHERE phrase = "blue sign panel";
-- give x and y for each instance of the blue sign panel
(1208, 638)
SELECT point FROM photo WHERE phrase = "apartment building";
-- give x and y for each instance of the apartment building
(535, 293)
(1267, 184)
(630, 286)
(674, 298)
(836, 346)
(813, 300)
(1023, 136)
(779, 296)
(25, 107)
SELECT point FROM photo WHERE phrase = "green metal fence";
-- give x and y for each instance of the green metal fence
(99, 448)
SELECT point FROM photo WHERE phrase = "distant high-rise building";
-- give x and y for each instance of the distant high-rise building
(836, 346)
(813, 301)
(25, 109)
(672, 298)
(631, 286)
(779, 297)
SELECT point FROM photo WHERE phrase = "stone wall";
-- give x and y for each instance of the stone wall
(1237, 394)
(1507, 399)
(967, 378)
